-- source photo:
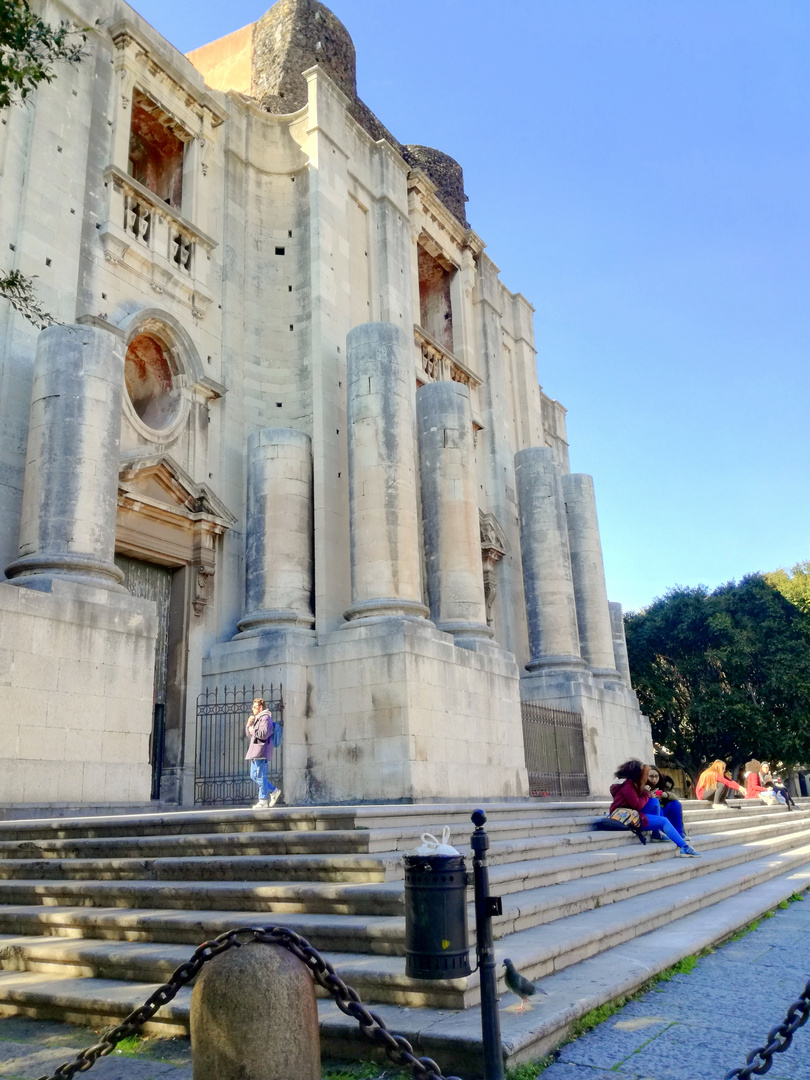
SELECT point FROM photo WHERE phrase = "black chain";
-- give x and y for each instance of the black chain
(396, 1047)
(779, 1039)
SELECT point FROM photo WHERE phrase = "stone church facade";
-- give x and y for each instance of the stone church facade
(287, 429)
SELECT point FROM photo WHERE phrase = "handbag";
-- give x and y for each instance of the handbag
(622, 819)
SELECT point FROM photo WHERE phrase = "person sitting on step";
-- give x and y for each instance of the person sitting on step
(633, 794)
(754, 788)
(779, 789)
(662, 788)
(715, 787)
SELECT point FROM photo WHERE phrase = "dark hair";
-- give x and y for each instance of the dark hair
(666, 782)
(630, 770)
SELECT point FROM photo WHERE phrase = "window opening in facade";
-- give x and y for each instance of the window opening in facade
(435, 311)
(156, 150)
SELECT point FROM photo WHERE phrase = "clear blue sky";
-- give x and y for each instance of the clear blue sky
(639, 170)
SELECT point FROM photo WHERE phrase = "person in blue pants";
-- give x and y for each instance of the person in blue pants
(663, 802)
(634, 794)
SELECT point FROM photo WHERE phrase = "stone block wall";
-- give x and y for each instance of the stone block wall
(76, 681)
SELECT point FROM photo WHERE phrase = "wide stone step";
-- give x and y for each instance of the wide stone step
(450, 1037)
(333, 865)
(410, 819)
(360, 868)
(585, 855)
(537, 952)
(623, 876)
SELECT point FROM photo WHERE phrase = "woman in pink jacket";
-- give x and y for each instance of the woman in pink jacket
(259, 729)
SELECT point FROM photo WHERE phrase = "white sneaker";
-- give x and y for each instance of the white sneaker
(262, 804)
(273, 798)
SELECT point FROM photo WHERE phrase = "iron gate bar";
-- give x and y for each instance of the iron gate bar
(221, 773)
(554, 743)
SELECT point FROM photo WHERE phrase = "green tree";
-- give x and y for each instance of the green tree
(29, 48)
(724, 674)
(793, 584)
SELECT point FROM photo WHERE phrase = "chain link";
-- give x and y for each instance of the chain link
(779, 1039)
(397, 1048)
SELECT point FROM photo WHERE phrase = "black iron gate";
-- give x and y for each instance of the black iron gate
(221, 774)
(554, 743)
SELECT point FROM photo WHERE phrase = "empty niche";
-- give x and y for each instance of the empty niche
(150, 374)
(435, 311)
(156, 146)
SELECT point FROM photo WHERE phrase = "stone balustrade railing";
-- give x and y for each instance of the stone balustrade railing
(144, 229)
(439, 364)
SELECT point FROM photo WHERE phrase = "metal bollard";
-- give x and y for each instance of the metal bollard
(485, 907)
(254, 1017)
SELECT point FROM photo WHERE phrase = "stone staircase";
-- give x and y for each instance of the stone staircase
(95, 912)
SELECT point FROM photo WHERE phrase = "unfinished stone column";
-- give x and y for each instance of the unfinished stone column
(70, 490)
(278, 535)
(593, 614)
(619, 642)
(455, 576)
(386, 580)
(547, 579)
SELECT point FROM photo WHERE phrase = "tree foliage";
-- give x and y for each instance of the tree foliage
(29, 48)
(724, 674)
(19, 291)
(793, 584)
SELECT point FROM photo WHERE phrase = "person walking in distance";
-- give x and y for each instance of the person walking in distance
(259, 729)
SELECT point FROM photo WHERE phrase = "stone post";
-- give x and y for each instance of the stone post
(547, 578)
(254, 1017)
(70, 491)
(278, 534)
(386, 577)
(619, 642)
(593, 614)
(455, 576)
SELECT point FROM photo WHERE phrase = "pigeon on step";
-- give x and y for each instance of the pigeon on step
(518, 985)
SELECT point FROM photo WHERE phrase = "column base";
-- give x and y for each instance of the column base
(258, 623)
(391, 607)
(466, 634)
(560, 662)
(38, 571)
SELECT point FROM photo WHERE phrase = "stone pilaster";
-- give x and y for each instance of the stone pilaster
(619, 642)
(593, 614)
(386, 579)
(450, 518)
(70, 490)
(548, 581)
(278, 537)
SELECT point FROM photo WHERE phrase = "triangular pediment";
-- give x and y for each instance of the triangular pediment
(160, 481)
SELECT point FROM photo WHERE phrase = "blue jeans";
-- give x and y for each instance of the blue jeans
(660, 824)
(673, 812)
(258, 774)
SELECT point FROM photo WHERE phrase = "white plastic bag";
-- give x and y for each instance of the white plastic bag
(432, 846)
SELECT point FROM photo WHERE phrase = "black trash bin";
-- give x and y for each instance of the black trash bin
(436, 939)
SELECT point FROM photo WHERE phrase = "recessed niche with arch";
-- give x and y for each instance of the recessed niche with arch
(160, 369)
(152, 381)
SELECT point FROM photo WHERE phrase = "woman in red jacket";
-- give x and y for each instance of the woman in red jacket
(632, 793)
